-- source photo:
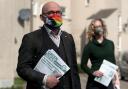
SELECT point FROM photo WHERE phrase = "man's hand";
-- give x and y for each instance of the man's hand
(52, 81)
(97, 73)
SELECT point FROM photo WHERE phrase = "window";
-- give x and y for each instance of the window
(63, 10)
(87, 2)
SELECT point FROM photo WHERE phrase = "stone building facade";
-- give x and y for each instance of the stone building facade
(18, 17)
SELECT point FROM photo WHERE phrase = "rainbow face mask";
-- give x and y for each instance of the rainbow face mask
(54, 21)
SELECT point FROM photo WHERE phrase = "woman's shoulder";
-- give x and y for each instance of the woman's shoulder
(89, 44)
(108, 40)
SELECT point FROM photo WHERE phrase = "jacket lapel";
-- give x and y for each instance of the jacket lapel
(66, 43)
(47, 43)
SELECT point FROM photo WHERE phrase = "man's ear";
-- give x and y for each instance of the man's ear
(41, 17)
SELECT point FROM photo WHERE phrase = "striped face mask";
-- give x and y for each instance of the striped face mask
(54, 21)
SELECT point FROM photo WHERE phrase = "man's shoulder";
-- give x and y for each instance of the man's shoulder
(34, 33)
(66, 33)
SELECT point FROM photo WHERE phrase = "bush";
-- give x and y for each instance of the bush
(18, 83)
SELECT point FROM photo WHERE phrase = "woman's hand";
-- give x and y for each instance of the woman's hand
(97, 73)
(116, 80)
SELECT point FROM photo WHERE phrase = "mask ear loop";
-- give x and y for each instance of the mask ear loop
(48, 21)
(42, 17)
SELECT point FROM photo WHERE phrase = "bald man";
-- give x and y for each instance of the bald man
(36, 43)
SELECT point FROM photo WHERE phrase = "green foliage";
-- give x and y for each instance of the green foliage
(18, 84)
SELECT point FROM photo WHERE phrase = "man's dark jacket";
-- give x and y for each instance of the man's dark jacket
(33, 46)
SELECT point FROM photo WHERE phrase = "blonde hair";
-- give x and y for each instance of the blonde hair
(91, 29)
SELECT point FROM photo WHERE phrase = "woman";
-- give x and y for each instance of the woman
(97, 49)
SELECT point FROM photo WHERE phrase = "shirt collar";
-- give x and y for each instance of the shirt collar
(51, 33)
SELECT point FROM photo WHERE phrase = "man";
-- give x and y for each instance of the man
(36, 43)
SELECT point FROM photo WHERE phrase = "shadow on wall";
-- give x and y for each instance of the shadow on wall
(83, 40)
(24, 15)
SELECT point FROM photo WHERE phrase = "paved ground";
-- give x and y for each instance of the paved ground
(83, 78)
